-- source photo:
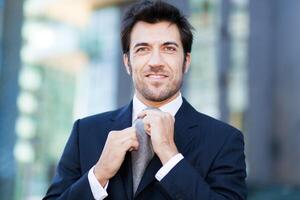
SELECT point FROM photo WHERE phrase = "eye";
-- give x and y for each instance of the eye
(141, 49)
(169, 49)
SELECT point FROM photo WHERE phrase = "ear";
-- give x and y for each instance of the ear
(126, 63)
(187, 62)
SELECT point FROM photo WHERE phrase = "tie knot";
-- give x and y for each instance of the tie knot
(151, 108)
(139, 120)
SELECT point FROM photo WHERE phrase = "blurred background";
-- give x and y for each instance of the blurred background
(61, 60)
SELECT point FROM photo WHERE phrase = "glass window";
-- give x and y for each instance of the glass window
(69, 71)
(238, 87)
(202, 79)
(203, 84)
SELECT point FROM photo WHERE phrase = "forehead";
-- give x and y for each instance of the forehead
(160, 33)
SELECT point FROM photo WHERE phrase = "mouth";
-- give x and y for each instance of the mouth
(156, 76)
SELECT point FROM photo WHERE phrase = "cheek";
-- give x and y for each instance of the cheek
(140, 60)
(178, 69)
(136, 75)
(137, 68)
(179, 75)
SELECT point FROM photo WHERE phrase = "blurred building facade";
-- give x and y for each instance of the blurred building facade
(273, 113)
(10, 61)
(61, 60)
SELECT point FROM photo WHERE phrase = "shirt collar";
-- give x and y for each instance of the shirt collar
(172, 107)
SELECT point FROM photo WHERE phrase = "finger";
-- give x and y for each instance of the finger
(134, 147)
(147, 128)
(128, 136)
(128, 130)
(142, 114)
(151, 119)
(131, 149)
(114, 135)
(131, 144)
(147, 123)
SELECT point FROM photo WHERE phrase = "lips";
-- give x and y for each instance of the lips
(156, 76)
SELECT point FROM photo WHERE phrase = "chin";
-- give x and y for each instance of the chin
(156, 96)
(157, 93)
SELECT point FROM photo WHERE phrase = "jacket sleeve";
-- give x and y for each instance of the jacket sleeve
(225, 179)
(69, 182)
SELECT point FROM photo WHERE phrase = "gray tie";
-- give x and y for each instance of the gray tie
(141, 157)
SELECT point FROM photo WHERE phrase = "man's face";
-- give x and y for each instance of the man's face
(156, 61)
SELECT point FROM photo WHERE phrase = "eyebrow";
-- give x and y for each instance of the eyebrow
(147, 44)
(171, 43)
(141, 44)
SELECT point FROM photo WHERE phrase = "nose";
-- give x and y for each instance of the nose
(156, 59)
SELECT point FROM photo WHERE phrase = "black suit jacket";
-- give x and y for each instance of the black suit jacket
(213, 167)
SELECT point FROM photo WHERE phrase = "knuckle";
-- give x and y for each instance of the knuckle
(111, 134)
(130, 134)
(136, 144)
(131, 131)
(133, 139)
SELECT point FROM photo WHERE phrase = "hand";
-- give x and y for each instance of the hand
(160, 126)
(113, 154)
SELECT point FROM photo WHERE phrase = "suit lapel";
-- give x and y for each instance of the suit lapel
(185, 119)
(121, 121)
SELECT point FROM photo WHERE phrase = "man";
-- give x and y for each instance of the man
(194, 156)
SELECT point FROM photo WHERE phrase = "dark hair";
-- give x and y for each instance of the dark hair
(154, 12)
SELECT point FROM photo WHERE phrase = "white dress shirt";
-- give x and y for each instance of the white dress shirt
(172, 107)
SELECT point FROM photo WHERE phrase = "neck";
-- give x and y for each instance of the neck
(156, 104)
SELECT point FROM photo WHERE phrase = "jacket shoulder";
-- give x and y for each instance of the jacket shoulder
(209, 124)
(104, 118)
(216, 125)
